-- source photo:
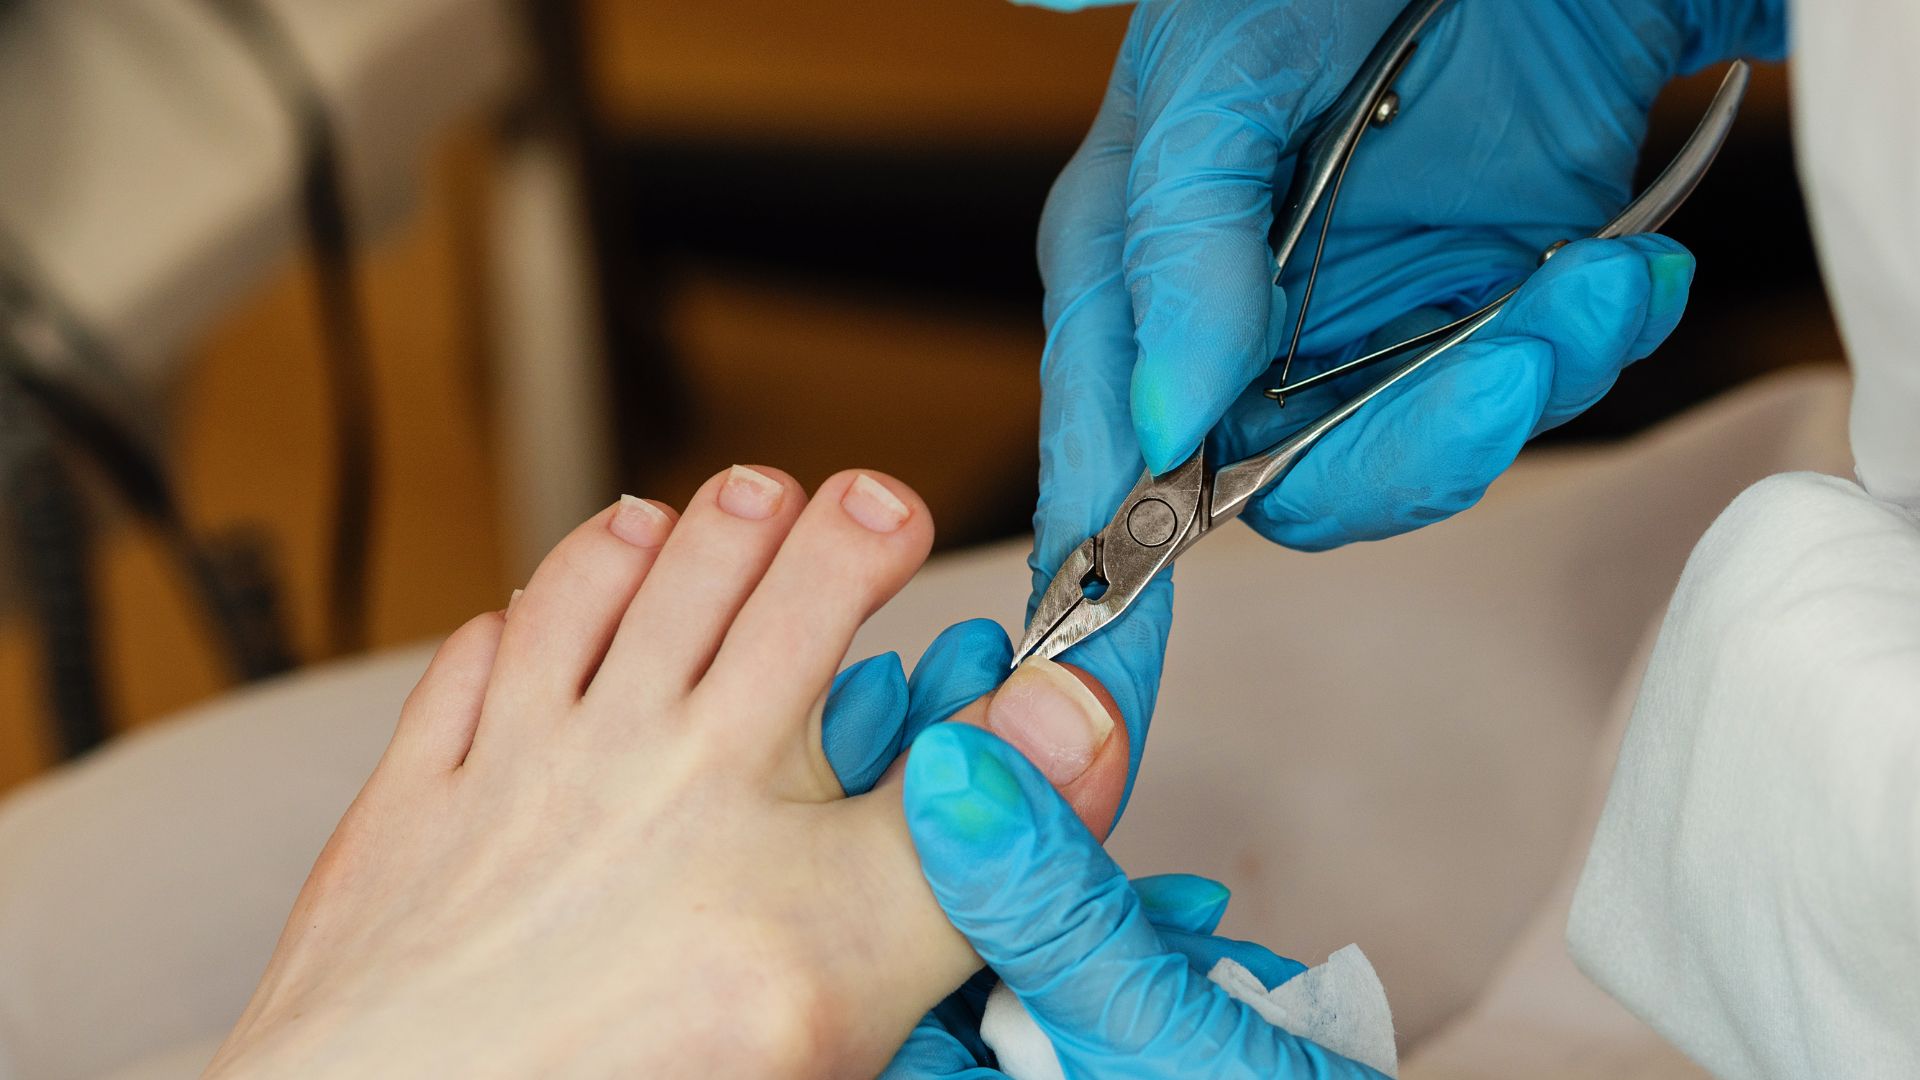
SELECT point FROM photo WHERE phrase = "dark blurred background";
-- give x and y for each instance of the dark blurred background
(793, 234)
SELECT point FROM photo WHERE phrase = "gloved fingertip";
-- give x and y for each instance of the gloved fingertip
(1606, 304)
(941, 1046)
(966, 661)
(873, 671)
(863, 722)
(1672, 282)
(1184, 902)
(960, 797)
(1168, 426)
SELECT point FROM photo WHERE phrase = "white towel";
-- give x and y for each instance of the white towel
(1753, 890)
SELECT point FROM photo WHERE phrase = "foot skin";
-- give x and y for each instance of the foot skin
(604, 839)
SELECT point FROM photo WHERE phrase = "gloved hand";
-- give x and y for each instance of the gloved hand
(874, 711)
(1114, 972)
(1521, 125)
(1183, 910)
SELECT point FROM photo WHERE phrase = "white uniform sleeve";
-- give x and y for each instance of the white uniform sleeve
(1856, 91)
(1753, 890)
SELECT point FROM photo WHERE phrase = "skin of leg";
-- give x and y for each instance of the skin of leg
(604, 840)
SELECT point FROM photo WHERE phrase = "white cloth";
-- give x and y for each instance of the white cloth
(1753, 890)
(1339, 1004)
(1856, 92)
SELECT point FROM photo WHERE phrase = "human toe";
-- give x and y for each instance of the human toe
(560, 624)
(859, 540)
(438, 719)
(715, 558)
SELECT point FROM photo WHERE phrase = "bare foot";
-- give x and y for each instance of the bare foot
(604, 839)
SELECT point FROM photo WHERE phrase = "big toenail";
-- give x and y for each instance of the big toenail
(868, 502)
(1052, 718)
(640, 523)
(749, 494)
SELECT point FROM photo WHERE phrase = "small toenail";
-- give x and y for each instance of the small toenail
(868, 502)
(640, 523)
(514, 598)
(749, 494)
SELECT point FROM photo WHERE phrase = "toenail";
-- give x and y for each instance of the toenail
(1052, 718)
(514, 598)
(749, 494)
(640, 523)
(868, 502)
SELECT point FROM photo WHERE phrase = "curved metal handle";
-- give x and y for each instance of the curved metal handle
(1236, 484)
(1324, 157)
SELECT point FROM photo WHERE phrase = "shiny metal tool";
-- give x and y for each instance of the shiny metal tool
(1165, 515)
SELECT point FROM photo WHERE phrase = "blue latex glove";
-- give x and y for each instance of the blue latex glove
(1522, 123)
(1114, 972)
(874, 711)
(1184, 909)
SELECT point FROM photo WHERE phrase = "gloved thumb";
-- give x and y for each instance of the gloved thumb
(1050, 912)
(1022, 878)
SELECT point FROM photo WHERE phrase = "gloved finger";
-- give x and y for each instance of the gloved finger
(1225, 91)
(1088, 456)
(1203, 951)
(966, 662)
(863, 725)
(1047, 909)
(1430, 449)
(1019, 875)
(1126, 659)
(1600, 305)
(1425, 450)
(1185, 902)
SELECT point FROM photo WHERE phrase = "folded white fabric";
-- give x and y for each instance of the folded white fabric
(1339, 1004)
(1753, 890)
